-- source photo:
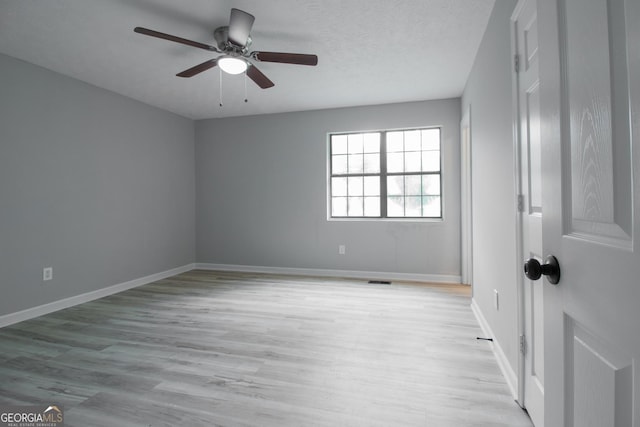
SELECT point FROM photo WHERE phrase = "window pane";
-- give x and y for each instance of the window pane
(431, 206)
(395, 141)
(395, 185)
(338, 187)
(395, 206)
(412, 140)
(356, 163)
(430, 161)
(431, 139)
(371, 142)
(372, 163)
(339, 144)
(339, 164)
(371, 186)
(356, 206)
(413, 206)
(412, 161)
(355, 143)
(338, 206)
(395, 162)
(413, 185)
(372, 206)
(431, 185)
(355, 186)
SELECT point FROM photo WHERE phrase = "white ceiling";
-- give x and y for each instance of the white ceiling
(369, 51)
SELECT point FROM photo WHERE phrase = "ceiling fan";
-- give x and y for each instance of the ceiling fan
(233, 43)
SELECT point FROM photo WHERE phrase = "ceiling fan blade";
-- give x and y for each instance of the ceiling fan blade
(286, 58)
(152, 33)
(259, 78)
(240, 25)
(198, 68)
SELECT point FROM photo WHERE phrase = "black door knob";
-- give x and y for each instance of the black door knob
(533, 270)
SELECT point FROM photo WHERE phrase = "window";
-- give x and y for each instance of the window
(387, 174)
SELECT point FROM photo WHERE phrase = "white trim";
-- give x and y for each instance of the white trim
(507, 371)
(370, 275)
(517, 169)
(466, 215)
(30, 313)
(383, 135)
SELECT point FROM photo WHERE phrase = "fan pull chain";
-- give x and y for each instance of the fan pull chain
(221, 88)
(246, 99)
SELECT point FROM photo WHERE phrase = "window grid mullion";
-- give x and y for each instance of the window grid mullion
(348, 164)
(383, 175)
(404, 177)
(421, 170)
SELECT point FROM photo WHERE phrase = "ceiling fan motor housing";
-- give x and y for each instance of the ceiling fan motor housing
(221, 34)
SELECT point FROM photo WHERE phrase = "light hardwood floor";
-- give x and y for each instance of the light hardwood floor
(216, 348)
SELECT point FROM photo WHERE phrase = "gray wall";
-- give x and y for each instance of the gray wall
(489, 94)
(96, 185)
(262, 194)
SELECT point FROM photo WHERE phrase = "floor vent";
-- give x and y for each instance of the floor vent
(379, 282)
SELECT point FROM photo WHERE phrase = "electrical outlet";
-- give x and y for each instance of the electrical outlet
(342, 249)
(47, 274)
(496, 299)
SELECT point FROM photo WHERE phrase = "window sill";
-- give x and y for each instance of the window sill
(397, 220)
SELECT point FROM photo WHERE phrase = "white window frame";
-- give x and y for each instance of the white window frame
(383, 174)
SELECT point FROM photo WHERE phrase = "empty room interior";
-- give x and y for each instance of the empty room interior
(332, 234)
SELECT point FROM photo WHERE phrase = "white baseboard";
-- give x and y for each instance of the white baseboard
(369, 275)
(30, 313)
(507, 371)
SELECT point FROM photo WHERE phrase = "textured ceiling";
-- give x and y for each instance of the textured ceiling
(370, 51)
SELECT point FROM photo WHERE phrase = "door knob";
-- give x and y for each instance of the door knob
(533, 270)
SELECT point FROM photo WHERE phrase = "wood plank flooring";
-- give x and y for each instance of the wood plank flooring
(217, 348)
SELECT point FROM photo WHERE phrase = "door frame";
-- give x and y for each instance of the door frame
(517, 156)
(466, 202)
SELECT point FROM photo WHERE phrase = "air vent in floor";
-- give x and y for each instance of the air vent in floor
(379, 282)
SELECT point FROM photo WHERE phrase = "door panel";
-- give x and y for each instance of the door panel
(534, 153)
(592, 33)
(590, 122)
(596, 367)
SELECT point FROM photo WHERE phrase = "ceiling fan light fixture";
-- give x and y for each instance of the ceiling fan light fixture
(232, 64)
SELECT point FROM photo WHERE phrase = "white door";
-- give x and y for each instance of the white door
(590, 130)
(528, 153)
